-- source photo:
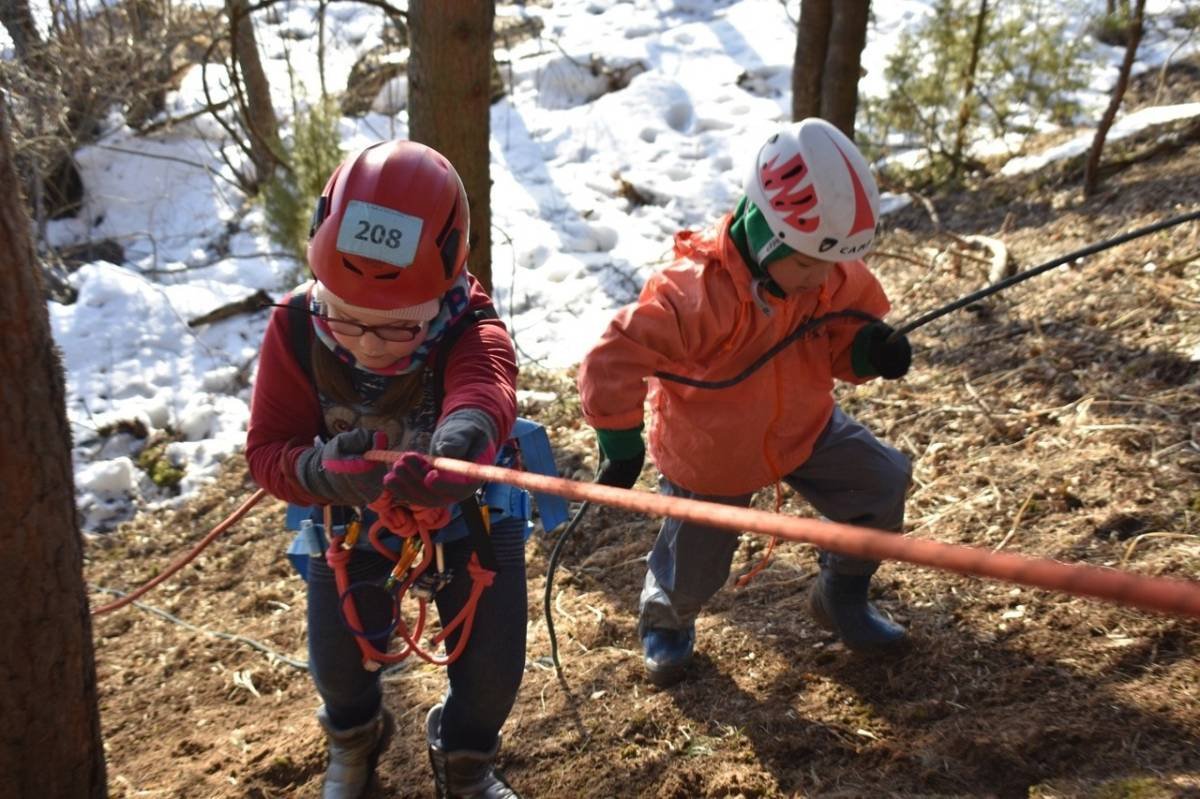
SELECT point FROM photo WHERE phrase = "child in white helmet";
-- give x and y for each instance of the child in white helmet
(785, 263)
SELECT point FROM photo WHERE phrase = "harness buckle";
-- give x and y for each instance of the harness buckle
(430, 582)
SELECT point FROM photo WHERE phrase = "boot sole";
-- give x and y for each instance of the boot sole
(666, 676)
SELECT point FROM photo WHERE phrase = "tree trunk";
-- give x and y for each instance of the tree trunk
(256, 106)
(449, 107)
(968, 92)
(843, 64)
(51, 732)
(1091, 169)
(808, 69)
(17, 19)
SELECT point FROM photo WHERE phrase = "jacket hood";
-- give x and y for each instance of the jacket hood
(713, 246)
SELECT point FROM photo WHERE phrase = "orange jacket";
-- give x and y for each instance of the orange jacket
(699, 318)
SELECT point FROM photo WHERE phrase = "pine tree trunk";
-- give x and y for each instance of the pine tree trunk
(449, 107)
(51, 733)
(808, 68)
(1091, 177)
(17, 19)
(843, 64)
(966, 103)
(257, 109)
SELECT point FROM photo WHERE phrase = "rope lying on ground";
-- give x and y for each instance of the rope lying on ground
(1159, 594)
(240, 639)
(189, 556)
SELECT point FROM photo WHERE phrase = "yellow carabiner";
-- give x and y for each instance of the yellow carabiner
(352, 531)
(412, 546)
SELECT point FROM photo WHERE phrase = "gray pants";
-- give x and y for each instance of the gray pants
(851, 477)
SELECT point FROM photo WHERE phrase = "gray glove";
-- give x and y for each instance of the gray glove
(337, 472)
(466, 434)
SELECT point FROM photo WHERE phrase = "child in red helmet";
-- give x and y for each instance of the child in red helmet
(394, 346)
(787, 258)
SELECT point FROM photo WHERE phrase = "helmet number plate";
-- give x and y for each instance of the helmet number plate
(373, 231)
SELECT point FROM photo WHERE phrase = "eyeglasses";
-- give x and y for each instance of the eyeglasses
(397, 333)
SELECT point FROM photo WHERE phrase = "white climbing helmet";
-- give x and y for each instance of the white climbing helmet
(816, 191)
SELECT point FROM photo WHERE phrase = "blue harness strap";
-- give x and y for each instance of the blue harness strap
(538, 457)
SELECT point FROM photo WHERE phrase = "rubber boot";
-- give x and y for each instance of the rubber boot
(463, 774)
(353, 754)
(838, 602)
(667, 653)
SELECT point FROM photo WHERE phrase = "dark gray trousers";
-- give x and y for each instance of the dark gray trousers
(851, 477)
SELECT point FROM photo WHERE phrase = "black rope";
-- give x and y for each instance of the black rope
(1012, 280)
(550, 569)
(761, 361)
(925, 319)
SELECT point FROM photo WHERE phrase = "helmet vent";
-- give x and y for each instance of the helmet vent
(449, 252)
(447, 241)
(441, 236)
(346, 263)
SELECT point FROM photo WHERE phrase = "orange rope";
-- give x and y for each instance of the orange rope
(1160, 594)
(765, 561)
(189, 557)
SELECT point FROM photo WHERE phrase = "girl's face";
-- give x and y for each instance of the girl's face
(369, 347)
(798, 272)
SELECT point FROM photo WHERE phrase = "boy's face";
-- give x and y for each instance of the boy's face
(798, 272)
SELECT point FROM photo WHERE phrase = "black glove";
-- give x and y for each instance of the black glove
(622, 471)
(467, 434)
(337, 472)
(889, 359)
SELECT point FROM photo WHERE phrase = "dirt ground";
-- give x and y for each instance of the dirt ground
(1059, 419)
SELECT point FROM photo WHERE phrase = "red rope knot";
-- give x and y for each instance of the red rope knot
(479, 575)
(405, 520)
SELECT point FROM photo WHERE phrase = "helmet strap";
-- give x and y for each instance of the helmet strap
(757, 245)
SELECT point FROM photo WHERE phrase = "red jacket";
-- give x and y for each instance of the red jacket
(699, 318)
(285, 413)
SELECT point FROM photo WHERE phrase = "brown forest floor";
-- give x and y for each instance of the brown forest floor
(1060, 419)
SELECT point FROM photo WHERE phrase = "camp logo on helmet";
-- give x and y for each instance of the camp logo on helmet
(379, 233)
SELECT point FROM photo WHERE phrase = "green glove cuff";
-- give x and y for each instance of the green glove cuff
(860, 357)
(621, 445)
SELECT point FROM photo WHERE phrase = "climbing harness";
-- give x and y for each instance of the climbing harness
(423, 579)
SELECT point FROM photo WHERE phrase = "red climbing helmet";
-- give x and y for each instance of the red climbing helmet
(816, 191)
(389, 233)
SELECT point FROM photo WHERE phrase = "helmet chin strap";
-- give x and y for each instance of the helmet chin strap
(769, 284)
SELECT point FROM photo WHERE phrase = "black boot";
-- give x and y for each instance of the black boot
(463, 774)
(353, 754)
(667, 654)
(838, 602)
